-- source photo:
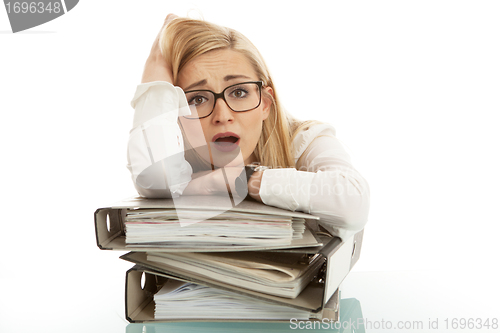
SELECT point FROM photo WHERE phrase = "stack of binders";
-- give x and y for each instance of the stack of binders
(204, 258)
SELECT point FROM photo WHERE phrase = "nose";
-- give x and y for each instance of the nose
(222, 113)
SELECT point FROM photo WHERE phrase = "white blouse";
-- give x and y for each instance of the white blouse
(324, 182)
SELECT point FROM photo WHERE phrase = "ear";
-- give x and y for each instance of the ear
(267, 95)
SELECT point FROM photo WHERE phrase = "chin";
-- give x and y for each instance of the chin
(233, 158)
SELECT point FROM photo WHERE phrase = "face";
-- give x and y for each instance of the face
(225, 132)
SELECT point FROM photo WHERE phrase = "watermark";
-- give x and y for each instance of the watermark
(325, 324)
(296, 183)
(217, 169)
(24, 15)
(430, 324)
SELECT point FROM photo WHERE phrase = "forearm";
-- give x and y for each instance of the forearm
(340, 197)
(327, 184)
(156, 147)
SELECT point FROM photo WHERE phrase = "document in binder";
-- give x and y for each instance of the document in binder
(279, 274)
(141, 224)
(316, 300)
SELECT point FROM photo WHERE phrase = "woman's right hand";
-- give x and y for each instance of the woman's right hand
(156, 67)
(218, 182)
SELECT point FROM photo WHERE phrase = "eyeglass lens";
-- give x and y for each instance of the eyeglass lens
(240, 97)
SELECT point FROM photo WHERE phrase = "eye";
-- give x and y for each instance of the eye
(197, 100)
(238, 93)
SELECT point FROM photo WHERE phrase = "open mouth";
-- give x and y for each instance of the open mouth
(226, 141)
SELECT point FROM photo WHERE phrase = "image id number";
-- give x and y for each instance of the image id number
(471, 323)
(33, 7)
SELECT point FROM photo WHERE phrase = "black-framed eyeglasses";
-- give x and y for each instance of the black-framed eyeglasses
(239, 97)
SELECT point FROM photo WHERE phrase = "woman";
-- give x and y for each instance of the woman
(207, 106)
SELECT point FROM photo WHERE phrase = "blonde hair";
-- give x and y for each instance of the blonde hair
(184, 39)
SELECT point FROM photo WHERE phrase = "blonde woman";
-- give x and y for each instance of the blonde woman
(207, 106)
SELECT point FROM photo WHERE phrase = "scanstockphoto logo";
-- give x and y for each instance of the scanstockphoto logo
(25, 15)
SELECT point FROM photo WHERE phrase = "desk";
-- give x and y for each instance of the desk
(421, 301)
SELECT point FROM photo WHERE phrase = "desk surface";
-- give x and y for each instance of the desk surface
(59, 300)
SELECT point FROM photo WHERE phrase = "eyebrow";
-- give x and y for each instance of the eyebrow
(232, 77)
(226, 78)
(199, 83)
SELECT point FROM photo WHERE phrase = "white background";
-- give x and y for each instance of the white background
(412, 88)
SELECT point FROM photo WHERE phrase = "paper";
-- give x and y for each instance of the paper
(148, 226)
(280, 274)
(184, 300)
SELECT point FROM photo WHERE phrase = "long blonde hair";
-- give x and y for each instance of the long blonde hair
(184, 39)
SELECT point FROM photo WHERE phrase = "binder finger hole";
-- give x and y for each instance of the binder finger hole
(143, 280)
(108, 223)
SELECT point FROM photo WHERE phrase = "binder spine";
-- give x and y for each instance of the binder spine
(108, 226)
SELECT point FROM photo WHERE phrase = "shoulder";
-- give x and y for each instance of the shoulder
(306, 133)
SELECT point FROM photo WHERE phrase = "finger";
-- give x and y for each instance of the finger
(169, 18)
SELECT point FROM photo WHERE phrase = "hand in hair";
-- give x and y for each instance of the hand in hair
(156, 67)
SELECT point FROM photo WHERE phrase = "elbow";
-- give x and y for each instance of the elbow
(155, 182)
(355, 212)
(356, 205)
(154, 193)
(347, 210)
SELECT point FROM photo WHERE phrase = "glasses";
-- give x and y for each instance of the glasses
(239, 97)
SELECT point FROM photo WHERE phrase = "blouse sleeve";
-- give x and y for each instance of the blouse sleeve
(155, 147)
(324, 184)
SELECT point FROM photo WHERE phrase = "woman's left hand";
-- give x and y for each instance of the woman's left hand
(254, 185)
